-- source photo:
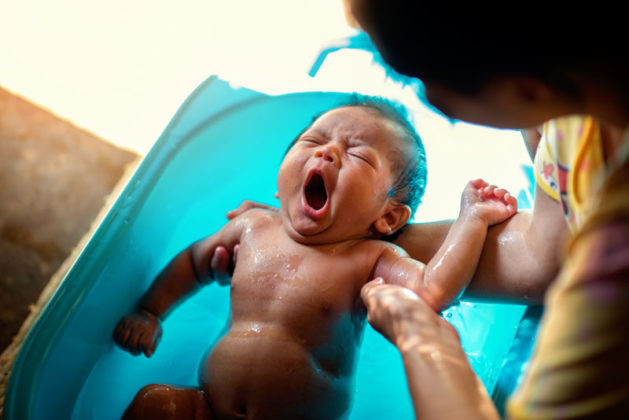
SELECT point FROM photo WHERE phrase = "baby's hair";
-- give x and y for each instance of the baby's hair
(409, 186)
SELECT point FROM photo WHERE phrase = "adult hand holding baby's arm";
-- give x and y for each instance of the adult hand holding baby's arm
(448, 273)
(440, 379)
(400, 315)
(138, 333)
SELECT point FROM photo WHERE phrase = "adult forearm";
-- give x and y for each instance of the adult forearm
(443, 385)
(513, 265)
(422, 240)
(441, 381)
(518, 262)
(520, 258)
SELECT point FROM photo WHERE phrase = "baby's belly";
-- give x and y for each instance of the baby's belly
(263, 372)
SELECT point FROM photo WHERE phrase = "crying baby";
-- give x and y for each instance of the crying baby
(348, 182)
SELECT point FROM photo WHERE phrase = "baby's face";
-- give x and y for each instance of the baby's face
(335, 181)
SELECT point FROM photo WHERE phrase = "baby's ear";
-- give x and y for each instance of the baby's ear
(394, 217)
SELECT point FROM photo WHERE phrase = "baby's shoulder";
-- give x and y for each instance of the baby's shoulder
(376, 249)
(257, 218)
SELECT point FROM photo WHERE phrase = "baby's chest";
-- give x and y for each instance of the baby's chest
(298, 276)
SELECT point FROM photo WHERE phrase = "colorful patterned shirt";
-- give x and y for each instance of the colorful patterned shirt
(580, 365)
(570, 164)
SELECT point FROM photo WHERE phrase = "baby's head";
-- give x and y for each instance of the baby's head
(359, 170)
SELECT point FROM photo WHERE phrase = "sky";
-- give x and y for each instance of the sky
(121, 69)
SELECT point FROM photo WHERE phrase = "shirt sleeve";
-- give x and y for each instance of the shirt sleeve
(546, 163)
(580, 368)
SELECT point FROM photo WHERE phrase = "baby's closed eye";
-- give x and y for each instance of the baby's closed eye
(311, 140)
(363, 153)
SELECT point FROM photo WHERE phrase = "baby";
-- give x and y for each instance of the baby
(350, 180)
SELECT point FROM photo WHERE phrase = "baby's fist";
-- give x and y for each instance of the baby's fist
(488, 202)
(138, 333)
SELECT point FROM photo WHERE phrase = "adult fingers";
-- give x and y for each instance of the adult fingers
(243, 207)
(369, 288)
(235, 253)
(247, 205)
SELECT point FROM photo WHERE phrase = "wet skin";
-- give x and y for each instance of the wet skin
(296, 322)
(295, 293)
(296, 313)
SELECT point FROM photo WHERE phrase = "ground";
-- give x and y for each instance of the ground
(54, 180)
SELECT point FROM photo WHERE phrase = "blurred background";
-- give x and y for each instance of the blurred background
(87, 87)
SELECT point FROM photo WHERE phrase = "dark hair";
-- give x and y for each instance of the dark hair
(465, 45)
(410, 184)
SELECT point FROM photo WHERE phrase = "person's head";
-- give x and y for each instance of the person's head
(359, 170)
(514, 70)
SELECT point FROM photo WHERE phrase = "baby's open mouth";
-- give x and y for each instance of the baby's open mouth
(316, 195)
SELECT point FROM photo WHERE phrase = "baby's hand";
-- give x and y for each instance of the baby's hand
(138, 333)
(487, 202)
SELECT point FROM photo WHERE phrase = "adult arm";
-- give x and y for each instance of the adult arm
(580, 367)
(442, 280)
(519, 260)
(440, 379)
(520, 256)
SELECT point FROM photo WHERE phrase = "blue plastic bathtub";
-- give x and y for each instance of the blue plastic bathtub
(223, 145)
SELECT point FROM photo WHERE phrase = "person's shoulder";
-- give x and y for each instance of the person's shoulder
(258, 217)
(570, 130)
(380, 248)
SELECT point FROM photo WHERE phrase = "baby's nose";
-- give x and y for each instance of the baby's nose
(328, 152)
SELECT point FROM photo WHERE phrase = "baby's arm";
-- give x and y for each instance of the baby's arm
(140, 331)
(442, 281)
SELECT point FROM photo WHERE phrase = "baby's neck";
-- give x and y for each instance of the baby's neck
(325, 239)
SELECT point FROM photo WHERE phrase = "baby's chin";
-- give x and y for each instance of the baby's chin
(320, 235)
(307, 236)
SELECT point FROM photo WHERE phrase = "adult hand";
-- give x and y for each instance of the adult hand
(224, 260)
(222, 263)
(248, 205)
(441, 381)
(403, 317)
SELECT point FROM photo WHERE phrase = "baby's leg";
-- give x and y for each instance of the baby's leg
(159, 401)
